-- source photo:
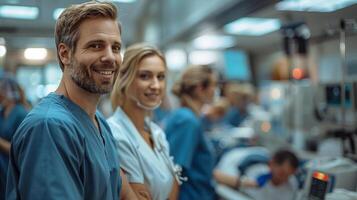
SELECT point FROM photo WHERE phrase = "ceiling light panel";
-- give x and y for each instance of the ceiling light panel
(57, 12)
(314, 5)
(252, 26)
(213, 42)
(19, 12)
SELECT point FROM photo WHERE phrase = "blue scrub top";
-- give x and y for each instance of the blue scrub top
(234, 117)
(58, 153)
(190, 149)
(8, 127)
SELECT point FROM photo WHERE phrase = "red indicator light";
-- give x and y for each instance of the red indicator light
(321, 176)
(298, 73)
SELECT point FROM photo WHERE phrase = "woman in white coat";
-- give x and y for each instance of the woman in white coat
(142, 145)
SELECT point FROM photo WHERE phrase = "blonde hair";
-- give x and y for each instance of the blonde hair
(67, 25)
(193, 76)
(128, 70)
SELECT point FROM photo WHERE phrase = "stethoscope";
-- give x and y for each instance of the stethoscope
(176, 170)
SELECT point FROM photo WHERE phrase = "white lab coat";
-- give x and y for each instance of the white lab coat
(141, 163)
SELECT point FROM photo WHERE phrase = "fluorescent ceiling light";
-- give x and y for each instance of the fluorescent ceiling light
(203, 57)
(57, 12)
(19, 12)
(314, 5)
(176, 59)
(35, 53)
(252, 26)
(2, 50)
(213, 42)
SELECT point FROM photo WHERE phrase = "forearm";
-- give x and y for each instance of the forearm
(141, 191)
(233, 181)
(5, 146)
(126, 191)
(174, 191)
(133, 191)
(225, 179)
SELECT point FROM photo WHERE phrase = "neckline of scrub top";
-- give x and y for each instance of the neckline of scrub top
(81, 114)
(136, 137)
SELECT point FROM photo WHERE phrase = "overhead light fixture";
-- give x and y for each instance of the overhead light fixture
(314, 5)
(2, 50)
(213, 42)
(57, 12)
(203, 57)
(35, 53)
(252, 26)
(176, 59)
(19, 12)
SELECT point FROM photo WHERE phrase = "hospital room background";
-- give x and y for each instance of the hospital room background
(286, 79)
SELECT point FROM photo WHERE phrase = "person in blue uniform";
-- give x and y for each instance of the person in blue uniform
(240, 96)
(64, 148)
(13, 110)
(188, 144)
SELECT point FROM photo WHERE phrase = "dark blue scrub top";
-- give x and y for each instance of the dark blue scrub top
(234, 117)
(190, 149)
(58, 153)
(8, 127)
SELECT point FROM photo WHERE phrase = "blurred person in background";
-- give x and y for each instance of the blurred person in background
(239, 96)
(144, 151)
(161, 113)
(64, 148)
(13, 110)
(213, 114)
(188, 143)
(277, 183)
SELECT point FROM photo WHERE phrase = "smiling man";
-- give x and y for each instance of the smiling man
(64, 148)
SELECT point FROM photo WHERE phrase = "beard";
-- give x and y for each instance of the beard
(80, 75)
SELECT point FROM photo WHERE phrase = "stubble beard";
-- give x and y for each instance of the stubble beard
(80, 75)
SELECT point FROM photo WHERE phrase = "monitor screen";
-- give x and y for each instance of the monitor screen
(236, 65)
(333, 95)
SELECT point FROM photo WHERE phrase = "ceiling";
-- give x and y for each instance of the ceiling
(20, 34)
(322, 26)
(207, 17)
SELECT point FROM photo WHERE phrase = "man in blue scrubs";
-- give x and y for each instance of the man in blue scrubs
(64, 148)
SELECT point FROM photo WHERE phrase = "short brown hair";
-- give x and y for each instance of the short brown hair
(66, 30)
(284, 155)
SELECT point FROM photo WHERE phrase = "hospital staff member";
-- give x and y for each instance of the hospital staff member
(188, 144)
(64, 148)
(13, 110)
(144, 152)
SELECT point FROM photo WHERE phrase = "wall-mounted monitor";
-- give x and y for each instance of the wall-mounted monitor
(237, 65)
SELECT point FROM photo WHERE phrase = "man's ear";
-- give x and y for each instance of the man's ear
(64, 53)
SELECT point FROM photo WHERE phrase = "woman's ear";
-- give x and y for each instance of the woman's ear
(64, 54)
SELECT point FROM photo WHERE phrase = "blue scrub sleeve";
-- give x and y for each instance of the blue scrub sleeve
(46, 164)
(183, 141)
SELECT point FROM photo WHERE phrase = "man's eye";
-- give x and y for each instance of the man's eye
(95, 46)
(116, 48)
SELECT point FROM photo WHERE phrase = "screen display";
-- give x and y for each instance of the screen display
(236, 65)
(333, 95)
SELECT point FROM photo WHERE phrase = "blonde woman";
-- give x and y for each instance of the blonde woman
(184, 131)
(142, 145)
